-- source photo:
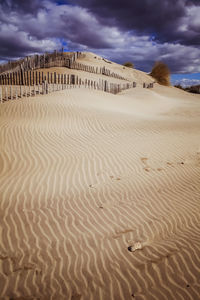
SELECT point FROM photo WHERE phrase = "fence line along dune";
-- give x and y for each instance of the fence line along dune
(99, 193)
(51, 72)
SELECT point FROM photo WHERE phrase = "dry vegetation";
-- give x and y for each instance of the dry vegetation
(128, 64)
(195, 89)
(161, 73)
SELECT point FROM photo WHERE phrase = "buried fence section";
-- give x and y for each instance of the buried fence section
(148, 85)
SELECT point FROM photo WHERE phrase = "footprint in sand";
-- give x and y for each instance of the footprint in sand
(144, 159)
(38, 272)
(2, 257)
(76, 297)
(25, 267)
(112, 177)
(136, 246)
(181, 163)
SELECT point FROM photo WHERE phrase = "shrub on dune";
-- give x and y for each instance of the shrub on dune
(161, 73)
(128, 64)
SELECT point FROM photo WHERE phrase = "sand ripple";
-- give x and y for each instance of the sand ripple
(80, 182)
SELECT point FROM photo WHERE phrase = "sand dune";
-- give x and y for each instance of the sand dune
(86, 174)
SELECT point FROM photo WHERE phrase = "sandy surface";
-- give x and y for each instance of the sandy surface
(86, 174)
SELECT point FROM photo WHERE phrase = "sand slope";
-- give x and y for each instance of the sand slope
(85, 174)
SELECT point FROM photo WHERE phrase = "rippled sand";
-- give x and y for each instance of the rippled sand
(83, 176)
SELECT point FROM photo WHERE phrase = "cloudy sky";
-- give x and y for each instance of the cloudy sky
(141, 31)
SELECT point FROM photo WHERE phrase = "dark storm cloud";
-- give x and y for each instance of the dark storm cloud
(66, 22)
(26, 29)
(14, 43)
(22, 5)
(141, 31)
(162, 19)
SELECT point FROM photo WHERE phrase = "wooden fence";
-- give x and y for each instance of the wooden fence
(96, 70)
(33, 77)
(148, 85)
(37, 77)
(49, 60)
(33, 88)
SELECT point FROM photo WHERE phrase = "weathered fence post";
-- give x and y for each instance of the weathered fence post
(105, 86)
(36, 78)
(30, 78)
(16, 93)
(46, 87)
(43, 88)
(1, 94)
(33, 77)
(6, 92)
(11, 97)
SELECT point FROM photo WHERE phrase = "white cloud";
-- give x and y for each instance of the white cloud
(185, 82)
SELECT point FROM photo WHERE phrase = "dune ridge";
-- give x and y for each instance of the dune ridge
(83, 177)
